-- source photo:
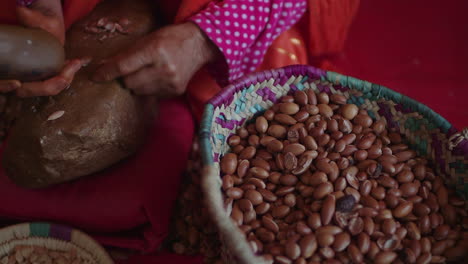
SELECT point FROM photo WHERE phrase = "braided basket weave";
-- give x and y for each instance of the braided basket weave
(52, 237)
(427, 133)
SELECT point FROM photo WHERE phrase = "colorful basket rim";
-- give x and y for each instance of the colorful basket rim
(48, 231)
(281, 75)
(235, 247)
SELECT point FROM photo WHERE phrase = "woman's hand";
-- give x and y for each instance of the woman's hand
(161, 63)
(46, 15)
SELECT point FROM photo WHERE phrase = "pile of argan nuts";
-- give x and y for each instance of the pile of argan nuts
(24, 254)
(316, 180)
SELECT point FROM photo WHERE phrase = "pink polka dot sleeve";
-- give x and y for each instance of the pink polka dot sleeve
(244, 29)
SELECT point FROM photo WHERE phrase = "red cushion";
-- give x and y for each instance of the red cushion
(132, 200)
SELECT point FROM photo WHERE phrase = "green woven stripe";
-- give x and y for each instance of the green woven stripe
(39, 229)
(384, 92)
(205, 132)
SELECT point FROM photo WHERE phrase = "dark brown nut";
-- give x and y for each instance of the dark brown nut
(405, 155)
(285, 119)
(340, 184)
(295, 148)
(345, 203)
(323, 98)
(403, 209)
(277, 131)
(409, 189)
(284, 190)
(261, 124)
(405, 176)
(353, 192)
(270, 224)
(280, 211)
(388, 242)
(325, 110)
(289, 108)
(342, 241)
(389, 226)
(234, 140)
(292, 250)
(325, 239)
(369, 201)
(308, 245)
(356, 225)
(304, 162)
(258, 172)
(242, 168)
(328, 209)
(378, 193)
(249, 216)
(373, 250)
(300, 98)
(363, 242)
(227, 182)
(323, 190)
(314, 221)
(275, 146)
(338, 99)
(267, 195)
(385, 257)
(367, 212)
(262, 208)
(254, 196)
(349, 111)
(235, 193)
(413, 231)
(302, 228)
(229, 163)
(363, 120)
(245, 205)
(366, 141)
(312, 97)
(355, 254)
(237, 215)
(387, 182)
(315, 179)
(310, 143)
(248, 152)
(441, 232)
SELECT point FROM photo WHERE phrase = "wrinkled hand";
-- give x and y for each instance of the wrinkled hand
(46, 15)
(161, 63)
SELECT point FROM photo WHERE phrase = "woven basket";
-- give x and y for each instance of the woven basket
(428, 133)
(52, 237)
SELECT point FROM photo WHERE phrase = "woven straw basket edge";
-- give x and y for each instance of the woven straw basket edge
(235, 247)
(20, 234)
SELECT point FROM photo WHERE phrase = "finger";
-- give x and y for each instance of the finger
(72, 67)
(49, 87)
(9, 85)
(54, 85)
(122, 65)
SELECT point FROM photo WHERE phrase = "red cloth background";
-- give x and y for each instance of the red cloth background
(418, 48)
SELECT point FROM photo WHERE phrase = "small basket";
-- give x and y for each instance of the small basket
(52, 237)
(427, 133)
